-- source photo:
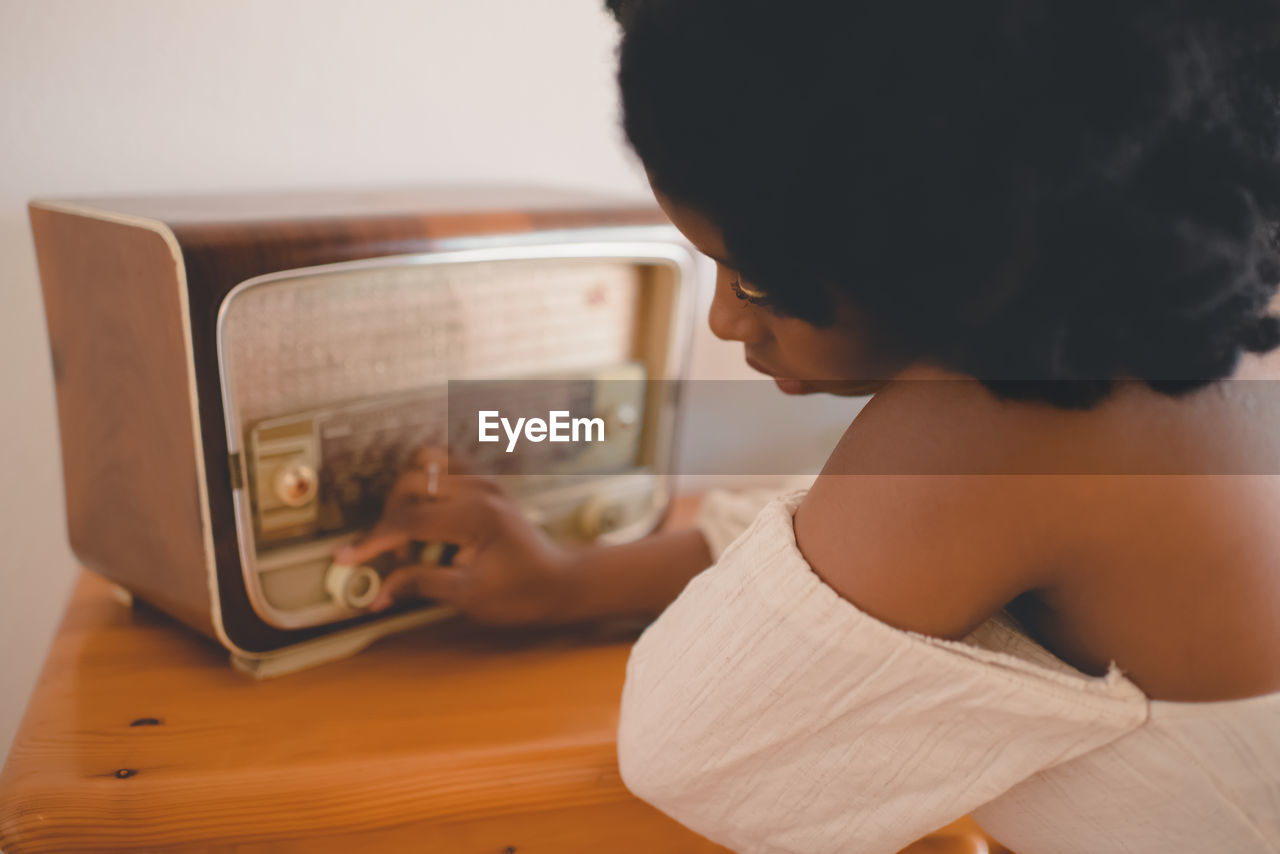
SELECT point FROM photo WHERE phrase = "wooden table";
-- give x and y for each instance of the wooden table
(449, 738)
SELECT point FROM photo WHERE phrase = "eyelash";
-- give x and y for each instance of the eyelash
(736, 285)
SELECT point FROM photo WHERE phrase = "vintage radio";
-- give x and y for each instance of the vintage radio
(240, 378)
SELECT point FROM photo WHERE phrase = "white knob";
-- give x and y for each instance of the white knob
(625, 415)
(353, 586)
(296, 484)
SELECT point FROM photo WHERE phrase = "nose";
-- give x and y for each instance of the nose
(733, 319)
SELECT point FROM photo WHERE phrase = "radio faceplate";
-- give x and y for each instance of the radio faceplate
(178, 324)
(302, 342)
(333, 376)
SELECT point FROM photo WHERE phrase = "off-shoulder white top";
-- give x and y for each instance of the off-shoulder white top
(771, 715)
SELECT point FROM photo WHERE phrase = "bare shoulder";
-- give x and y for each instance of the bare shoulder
(1129, 525)
(912, 519)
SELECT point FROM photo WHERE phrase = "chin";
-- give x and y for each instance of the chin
(839, 388)
(848, 388)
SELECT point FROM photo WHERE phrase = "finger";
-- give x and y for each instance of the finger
(459, 519)
(438, 583)
(381, 538)
(463, 556)
(455, 483)
(454, 520)
(463, 519)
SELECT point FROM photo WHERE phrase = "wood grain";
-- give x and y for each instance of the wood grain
(450, 738)
(450, 726)
(128, 442)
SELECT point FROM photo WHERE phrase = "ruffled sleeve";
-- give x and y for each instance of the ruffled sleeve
(724, 514)
(771, 715)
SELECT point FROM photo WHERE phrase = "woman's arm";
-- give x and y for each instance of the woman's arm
(509, 571)
(635, 579)
(643, 577)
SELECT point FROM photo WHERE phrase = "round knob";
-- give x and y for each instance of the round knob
(296, 484)
(353, 586)
(598, 516)
(625, 415)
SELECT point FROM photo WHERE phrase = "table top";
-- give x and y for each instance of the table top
(450, 737)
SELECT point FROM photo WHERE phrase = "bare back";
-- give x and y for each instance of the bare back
(1145, 531)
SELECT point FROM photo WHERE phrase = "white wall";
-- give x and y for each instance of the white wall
(136, 96)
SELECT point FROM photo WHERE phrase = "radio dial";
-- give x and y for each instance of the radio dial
(296, 485)
(625, 415)
(352, 586)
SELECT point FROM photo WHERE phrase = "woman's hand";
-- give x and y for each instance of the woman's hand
(506, 570)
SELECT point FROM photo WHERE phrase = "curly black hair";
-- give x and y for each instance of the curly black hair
(1047, 195)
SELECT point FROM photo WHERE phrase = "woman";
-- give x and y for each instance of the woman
(1041, 233)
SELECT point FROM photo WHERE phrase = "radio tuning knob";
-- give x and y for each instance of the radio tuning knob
(296, 485)
(352, 586)
(625, 415)
(598, 516)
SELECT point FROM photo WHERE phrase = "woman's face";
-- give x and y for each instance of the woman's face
(801, 358)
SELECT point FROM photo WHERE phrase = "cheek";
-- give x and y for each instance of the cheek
(828, 353)
(808, 344)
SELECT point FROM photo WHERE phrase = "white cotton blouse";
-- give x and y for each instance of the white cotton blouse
(771, 715)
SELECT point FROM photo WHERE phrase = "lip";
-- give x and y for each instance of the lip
(785, 385)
